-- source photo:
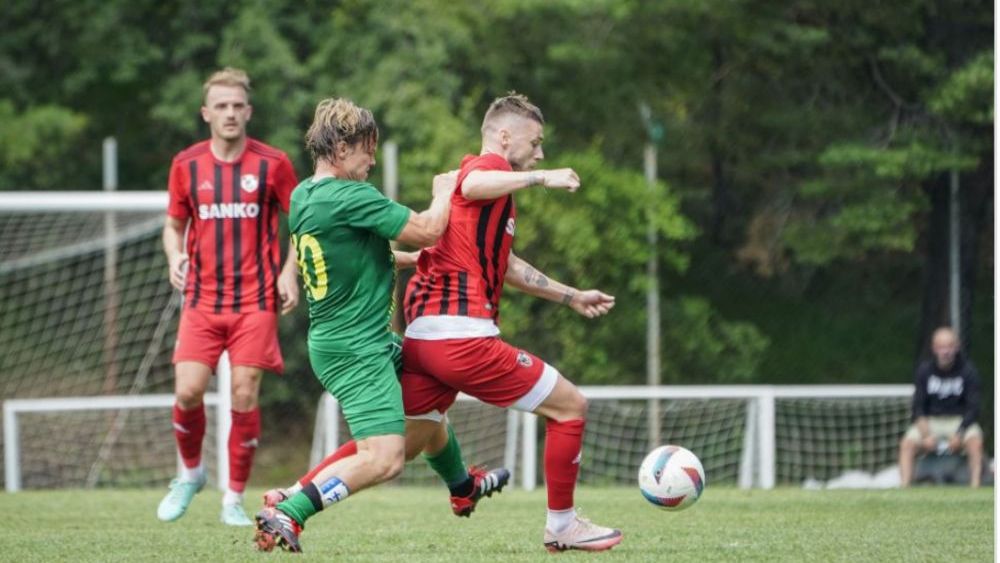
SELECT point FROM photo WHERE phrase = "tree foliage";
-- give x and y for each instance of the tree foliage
(799, 134)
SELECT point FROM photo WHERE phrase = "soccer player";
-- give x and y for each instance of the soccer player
(341, 226)
(452, 305)
(226, 192)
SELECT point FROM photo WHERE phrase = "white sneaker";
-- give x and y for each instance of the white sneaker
(584, 535)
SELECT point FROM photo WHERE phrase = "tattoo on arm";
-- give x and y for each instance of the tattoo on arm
(568, 296)
(534, 277)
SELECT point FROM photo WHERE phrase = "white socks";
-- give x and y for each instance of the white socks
(191, 474)
(558, 520)
(293, 489)
(231, 497)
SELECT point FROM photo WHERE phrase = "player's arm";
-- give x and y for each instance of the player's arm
(492, 184)
(288, 287)
(287, 283)
(425, 228)
(590, 303)
(406, 260)
(173, 246)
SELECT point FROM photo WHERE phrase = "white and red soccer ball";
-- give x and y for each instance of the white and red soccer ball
(671, 478)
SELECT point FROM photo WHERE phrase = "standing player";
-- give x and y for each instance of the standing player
(452, 306)
(341, 226)
(226, 192)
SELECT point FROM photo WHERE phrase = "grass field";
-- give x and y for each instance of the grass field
(415, 525)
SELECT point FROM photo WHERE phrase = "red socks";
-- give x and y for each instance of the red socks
(243, 436)
(189, 430)
(563, 442)
(348, 449)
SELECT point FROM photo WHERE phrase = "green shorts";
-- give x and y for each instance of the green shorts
(366, 387)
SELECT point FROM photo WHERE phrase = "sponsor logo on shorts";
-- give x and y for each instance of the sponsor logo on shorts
(251, 443)
(524, 359)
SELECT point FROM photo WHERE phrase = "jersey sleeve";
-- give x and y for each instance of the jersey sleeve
(179, 199)
(366, 208)
(285, 181)
(487, 161)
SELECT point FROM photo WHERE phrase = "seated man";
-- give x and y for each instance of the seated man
(945, 407)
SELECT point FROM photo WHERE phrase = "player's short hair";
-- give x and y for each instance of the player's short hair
(512, 103)
(336, 120)
(228, 76)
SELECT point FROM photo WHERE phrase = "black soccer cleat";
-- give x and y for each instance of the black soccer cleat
(484, 484)
(275, 528)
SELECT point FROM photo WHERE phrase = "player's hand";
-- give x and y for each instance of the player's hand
(178, 265)
(928, 443)
(954, 443)
(444, 184)
(288, 290)
(592, 303)
(561, 178)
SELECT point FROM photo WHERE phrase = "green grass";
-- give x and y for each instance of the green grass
(415, 524)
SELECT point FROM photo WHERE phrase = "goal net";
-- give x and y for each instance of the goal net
(86, 311)
(744, 435)
(488, 436)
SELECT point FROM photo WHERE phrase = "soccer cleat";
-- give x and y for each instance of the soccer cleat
(274, 496)
(584, 535)
(177, 500)
(275, 528)
(484, 484)
(233, 515)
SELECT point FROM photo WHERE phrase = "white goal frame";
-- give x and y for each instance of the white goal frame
(757, 459)
(109, 202)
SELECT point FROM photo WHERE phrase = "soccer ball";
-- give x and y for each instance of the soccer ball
(671, 477)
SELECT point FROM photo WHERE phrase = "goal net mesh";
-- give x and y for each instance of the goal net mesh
(820, 438)
(85, 313)
(617, 436)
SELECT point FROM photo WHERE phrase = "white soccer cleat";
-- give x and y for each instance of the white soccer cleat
(584, 535)
(233, 515)
(175, 504)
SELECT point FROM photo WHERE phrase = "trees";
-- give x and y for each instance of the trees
(804, 139)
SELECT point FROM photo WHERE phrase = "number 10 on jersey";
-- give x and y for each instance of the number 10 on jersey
(313, 267)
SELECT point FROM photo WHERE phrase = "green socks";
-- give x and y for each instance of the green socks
(448, 463)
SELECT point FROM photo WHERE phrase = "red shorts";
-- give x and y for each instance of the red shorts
(489, 369)
(250, 338)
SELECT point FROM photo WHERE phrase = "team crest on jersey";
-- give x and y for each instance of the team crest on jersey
(524, 359)
(205, 186)
(510, 226)
(249, 183)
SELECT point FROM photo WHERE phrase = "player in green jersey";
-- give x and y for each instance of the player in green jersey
(341, 226)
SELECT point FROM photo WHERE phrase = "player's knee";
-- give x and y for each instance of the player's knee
(388, 466)
(188, 397)
(244, 399)
(577, 405)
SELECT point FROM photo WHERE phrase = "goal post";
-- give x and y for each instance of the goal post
(87, 324)
(750, 436)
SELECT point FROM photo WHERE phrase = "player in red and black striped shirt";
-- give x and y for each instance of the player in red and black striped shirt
(226, 192)
(452, 305)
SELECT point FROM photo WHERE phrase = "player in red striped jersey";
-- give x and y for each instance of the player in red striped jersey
(452, 305)
(226, 192)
